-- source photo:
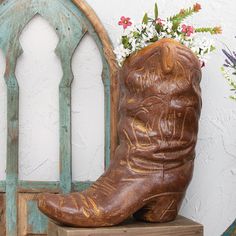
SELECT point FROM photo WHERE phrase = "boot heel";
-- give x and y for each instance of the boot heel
(162, 208)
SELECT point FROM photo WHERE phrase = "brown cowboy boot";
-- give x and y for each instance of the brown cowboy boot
(159, 110)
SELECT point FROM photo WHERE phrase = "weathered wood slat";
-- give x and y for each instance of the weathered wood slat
(80, 186)
(38, 186)
(2, 215)
(180, 227)
(65, 114)
(107, 91)
(49, 186)
(12, 141)
(2, 186)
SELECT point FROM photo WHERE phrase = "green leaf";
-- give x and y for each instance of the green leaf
(136, 34)
(125, 41)
(212, 48)
(156, 11)
(158, 28)
(145, 19)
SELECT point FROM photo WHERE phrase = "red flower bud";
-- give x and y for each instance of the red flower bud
(197, 7)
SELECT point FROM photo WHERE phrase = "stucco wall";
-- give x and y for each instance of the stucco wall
(211, 197)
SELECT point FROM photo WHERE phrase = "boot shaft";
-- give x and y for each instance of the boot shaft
(160, 105)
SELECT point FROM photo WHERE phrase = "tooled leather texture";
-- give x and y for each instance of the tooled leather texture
(160, 105)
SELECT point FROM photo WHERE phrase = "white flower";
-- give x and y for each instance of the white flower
(121, 53)
(151, 31)
(168, 26)
(203, 44)
(133, 43)
(140, 35)
(162, 35)
(177, 37)
(139, 27)
(179, 29)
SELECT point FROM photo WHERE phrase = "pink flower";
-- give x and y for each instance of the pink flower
(187, 29)
(160, 22)
(125, 22)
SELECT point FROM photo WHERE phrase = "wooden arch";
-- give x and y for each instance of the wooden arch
(71, 21)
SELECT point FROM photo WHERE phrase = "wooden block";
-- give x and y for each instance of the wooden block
(180, 227)
(30, 221)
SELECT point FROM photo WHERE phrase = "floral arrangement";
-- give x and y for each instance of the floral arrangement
(152, 29)
(229, 69)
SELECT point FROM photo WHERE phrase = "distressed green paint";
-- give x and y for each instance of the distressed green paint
(65, 113)
(38, 186)
(231, 231)
(70, 25)
(65, 139)
(2, 186)
(80, 186)
(65, 51)
(12, 140)
(106, 82)
(36, 221)
(52, 186)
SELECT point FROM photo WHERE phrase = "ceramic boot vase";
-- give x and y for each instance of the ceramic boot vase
(160, 104)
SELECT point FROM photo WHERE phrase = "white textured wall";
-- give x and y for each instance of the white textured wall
(39, 72)
(211, 197)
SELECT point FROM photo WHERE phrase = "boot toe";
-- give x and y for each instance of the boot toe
(48, 204)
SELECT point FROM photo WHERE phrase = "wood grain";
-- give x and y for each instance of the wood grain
(2, 215)
(30, 219)
(180, 227)
(52, 229)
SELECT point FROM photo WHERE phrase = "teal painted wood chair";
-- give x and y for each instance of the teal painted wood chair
(71, 21)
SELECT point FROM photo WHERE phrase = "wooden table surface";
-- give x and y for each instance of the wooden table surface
(180, 227)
